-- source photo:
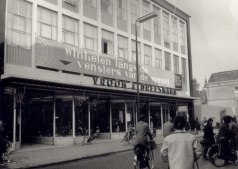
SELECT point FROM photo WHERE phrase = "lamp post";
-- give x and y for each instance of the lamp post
(140, 20)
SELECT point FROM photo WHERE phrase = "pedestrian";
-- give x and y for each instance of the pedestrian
(233, 126)
(168, 128)
(186, 124)
(197, 125)
(181, 148)
(208, 135)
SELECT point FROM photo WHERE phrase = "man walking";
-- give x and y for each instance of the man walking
(181, 148)
(168, 128)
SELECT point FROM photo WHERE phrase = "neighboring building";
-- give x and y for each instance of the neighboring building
(222, 89)
(219, 96)
(70, 64)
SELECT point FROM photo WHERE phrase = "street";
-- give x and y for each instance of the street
(124, 161)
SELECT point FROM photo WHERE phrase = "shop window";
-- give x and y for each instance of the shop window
(81, 118)
(63, 117)
(155, 116)
(100, 115)
(118, 117)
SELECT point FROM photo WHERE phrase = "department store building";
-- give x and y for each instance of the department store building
(70, 64)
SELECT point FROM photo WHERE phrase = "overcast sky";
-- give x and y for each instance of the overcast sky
(214, 35)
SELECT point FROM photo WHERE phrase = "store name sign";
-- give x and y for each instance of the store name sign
(128, 85)
(51, 54)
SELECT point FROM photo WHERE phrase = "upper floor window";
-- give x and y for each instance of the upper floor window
(90, 9)
(90, 37)
(134, 15)
(70, 33)
(121, 9)
(122, 47)
(157, 25)
(107, 42)
(158, 58)
(184, 69)
(46, 23)
(71, 5)
(107, 12)
(147, 55)
(133, 48)
(52, 1)
(176, 64)
(145, 11)
(167, 59)
(182, 37)
(174, 30)
(19, 25)
(166, 27)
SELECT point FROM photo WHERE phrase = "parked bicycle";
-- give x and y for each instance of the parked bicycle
(128, 136)
(89, 138)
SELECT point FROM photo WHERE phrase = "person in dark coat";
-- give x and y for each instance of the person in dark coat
(227, 133)
(186, 124)
(142, 133)
(197, 125)
(208, 131)
(208, 135)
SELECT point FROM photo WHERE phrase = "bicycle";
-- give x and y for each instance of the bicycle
(127, 137)
(144, 159)
(90, 137)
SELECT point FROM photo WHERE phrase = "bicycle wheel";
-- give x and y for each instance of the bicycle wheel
(150, 160)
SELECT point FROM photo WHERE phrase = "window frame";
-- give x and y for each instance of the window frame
(41, 23)
(94, 38)
(167, 60)
(75, 34)
(165, 26)
(148, 55)
(158, 58)
(176, 64)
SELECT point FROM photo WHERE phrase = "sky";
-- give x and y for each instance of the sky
(214, 35)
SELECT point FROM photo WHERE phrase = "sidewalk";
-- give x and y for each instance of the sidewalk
(42, 155)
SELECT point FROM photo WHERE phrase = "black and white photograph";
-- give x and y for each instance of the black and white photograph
(118, 84)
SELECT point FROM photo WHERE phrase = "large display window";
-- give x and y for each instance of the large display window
(100, 115)
(36, 114)
(118, 117)
(155, 116)
(81, 117)
(63, 119)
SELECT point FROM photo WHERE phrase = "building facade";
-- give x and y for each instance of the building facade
(70, 64)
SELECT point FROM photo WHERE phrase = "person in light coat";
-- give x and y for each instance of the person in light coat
(181, 148)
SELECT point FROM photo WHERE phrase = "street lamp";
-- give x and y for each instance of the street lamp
(140, 20)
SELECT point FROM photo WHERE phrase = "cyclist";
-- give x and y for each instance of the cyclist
(141, 138)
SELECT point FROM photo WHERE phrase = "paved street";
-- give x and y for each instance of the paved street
(124, 161)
